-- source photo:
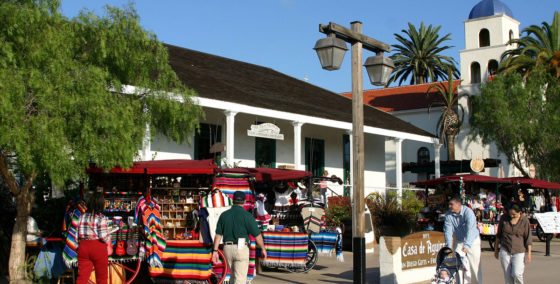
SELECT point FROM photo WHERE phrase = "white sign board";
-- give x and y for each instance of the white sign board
(550, 222)
(265, 130)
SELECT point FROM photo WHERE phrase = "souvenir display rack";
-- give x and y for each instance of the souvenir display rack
(179, 198)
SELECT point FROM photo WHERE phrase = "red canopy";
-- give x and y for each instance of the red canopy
(269, 174)
(165, 167)
(466, 178)
(534, 183)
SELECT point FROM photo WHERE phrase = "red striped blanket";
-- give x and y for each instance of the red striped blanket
(184, 260)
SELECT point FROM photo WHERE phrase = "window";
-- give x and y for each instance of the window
(510, 34)
(346, 162)
(208, 135)
(484, 38)
(315, 156)
(265, 152)
(475, 73)
(492, 67)
(423, 155)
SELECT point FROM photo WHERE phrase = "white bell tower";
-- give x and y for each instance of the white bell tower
(489, 27)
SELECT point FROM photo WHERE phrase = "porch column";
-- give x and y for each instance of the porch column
(230, 134)
(297, 144)
(437, 169)
(398, 168)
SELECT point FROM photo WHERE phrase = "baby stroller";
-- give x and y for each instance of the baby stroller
(449, 265)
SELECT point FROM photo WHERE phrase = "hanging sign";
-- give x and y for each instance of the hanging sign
(421, 249)
(265, 130)
(477, 165)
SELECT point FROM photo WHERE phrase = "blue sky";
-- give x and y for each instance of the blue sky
(280, 34)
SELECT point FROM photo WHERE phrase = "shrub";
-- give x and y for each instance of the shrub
(389, 219)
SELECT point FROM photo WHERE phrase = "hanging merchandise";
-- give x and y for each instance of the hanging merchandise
(70, 251)
(150, 216)
(216, 199)
(312, 218)
(262, 215)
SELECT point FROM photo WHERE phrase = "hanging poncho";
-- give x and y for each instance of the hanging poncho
(155, 241)
(216, 199)
(313, 218)
(70, 252)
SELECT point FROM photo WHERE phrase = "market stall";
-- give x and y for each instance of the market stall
(290, 219)
(484, 194)
(536, 196)
(153, 208)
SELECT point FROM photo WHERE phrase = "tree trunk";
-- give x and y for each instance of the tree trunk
(24, 201)
(450, 147)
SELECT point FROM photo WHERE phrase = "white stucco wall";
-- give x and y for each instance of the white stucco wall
(244, 148)
(421, 119)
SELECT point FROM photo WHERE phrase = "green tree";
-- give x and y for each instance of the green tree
(419, 56)
(539, 47)
(62, 98)
(449, 123)
(520, 115)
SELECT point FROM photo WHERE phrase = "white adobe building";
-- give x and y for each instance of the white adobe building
(304, 126)
(489, 27)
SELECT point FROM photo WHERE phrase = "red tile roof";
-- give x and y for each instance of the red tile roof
(400, 98)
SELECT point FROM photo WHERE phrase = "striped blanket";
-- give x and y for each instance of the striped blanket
(229, 183)
(285, 249)
(184, 260)
(327, 242)
(70, 251)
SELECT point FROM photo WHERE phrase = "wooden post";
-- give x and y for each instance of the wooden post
(358, 240)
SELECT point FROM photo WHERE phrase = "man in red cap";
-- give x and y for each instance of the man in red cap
(234, 227)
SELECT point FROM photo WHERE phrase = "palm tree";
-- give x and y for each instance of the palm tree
(539, 47)
(449, 123)
(418, 55)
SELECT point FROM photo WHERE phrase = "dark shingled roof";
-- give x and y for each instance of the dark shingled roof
(224, 79)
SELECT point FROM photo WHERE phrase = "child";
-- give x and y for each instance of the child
(442, 277)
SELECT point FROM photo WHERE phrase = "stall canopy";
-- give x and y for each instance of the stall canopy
(164, 167)
(269, 174)
(457, 178)
(534, 183)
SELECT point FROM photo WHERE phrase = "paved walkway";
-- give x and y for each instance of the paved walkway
(543, 269)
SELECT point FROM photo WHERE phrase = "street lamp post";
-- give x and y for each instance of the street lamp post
(331, 52)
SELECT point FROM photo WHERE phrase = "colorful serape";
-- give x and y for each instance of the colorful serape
(70, 251)
(285, 249)
(184, 261)
(155, 244)
(251, 271)
(216, 199)
(229, 183)
(327, 242)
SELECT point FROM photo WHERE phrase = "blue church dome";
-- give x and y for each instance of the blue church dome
(487, 8)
